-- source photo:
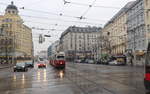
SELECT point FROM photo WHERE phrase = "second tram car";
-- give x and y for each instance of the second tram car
(58, 60)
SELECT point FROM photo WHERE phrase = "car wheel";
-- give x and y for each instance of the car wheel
(14, 70)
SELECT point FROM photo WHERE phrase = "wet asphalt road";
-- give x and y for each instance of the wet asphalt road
(75, 79)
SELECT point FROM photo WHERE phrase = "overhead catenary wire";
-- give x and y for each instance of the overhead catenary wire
(57, 14)
(49, 24)
(89, 7)
(37, 28)
(51, 29)
(33, 3)
(84, 4)
(46, 18)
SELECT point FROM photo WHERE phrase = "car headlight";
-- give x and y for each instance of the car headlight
(23, 66)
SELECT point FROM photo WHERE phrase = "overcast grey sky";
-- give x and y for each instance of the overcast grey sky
(45, 14)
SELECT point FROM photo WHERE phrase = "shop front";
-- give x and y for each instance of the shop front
(140, 57)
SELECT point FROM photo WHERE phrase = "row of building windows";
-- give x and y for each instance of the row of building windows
(84, 30)
(138, 33)
(137, 44)
(6, 41)
(136, 21)
(12, 12)
(136, 8)
(7, 20)
(6, 49)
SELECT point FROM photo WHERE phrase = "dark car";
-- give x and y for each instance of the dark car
(83, 61)
(21, 66)
(105, 61)
(29, 64)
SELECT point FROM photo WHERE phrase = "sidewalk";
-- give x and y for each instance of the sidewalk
(3, 66)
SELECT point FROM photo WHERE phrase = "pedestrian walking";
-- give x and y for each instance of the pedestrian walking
(132, 57)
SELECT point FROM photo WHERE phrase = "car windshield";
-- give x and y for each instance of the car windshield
(41, 59)
(67, 46)
(20, 64)
(28, 62)
(41, 62)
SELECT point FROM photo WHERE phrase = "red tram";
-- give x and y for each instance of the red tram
(58, 60)
(147, 69)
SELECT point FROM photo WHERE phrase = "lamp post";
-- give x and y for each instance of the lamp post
(6, 49)
(14, 50)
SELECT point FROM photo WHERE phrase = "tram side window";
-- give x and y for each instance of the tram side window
(148, 56)
(147, 63)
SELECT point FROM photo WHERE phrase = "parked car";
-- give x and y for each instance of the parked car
(78, 61)
(114, 62)
(105, 62)
(98, 61)
(83, 61)
(30, 64)
(20, 66)
(121, 60)
(90, 61)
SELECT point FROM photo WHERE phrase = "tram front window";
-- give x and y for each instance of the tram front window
(60, 57)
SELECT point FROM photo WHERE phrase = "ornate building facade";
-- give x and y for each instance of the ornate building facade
(20, 36)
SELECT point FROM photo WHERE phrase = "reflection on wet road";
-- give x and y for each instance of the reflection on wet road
(75, 79)
(36, 81)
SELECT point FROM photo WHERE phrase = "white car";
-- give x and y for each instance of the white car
(114, 62)
(90, 61)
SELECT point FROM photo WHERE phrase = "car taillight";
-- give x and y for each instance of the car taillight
(147, 76)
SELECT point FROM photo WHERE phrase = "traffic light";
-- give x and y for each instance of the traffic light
(41, 39)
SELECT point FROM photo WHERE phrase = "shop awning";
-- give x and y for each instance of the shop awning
(140, 53)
